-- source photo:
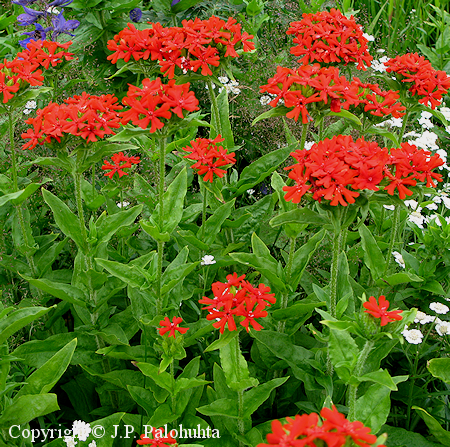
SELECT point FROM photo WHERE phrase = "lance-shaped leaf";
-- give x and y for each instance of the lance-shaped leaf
(132, 275)
(214, 223)
(28, 407)
(19, 319)
(348, 116)
(66, 220)
(299, 216)
(108, 225)
(163, 379)
(442, 435)
(46, 377)
(276, 111)
(19, 197)
(173, 204)
(373, 257)
(344, 353)
(262, 168)
(224, 118)
(65, 292)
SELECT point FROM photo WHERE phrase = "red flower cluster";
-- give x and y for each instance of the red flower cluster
(335, 430)
(171, 327)
(87, 116)
(46, 53)
(311, 87)
(197, 44)
(23, 69)
(209, 157)
(155, 100)
(331, 167)
(426, 82)
(117, 159)
(380, 310)
(156, 440)
(237, 298)
(329, 37)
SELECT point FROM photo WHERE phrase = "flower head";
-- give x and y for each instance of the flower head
(439, 308)
(157, 439)
(413, 336)
(171, 327)
(121, 162)
(135, 15)
(81, 429)
(208, 260)
(379, 310)
(63, 26)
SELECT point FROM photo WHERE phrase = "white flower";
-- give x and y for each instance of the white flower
(446, 201)
(417, 218)
(439, 308)
(413, 336)
(399, 259)
(27, 111)
(369, 37)
(378, 65)
(92, 444)
(208, 260)
(446, 112)
(380, 50)
(424, 120)
(250, 192)
(31, 105)
(309, 145)
(443, 328)
(397, 122)
(443, 154)
(411, 203)
(434, 218)
(265, 99)
(389, 207)
(423, 318)
(82, 429)
(53, 10)
(70, 441)
(223, 79)
(123, 204)
(431, 206)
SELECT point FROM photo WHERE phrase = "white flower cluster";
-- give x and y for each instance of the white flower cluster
(413, 336)
(80, 430)
(399, 259)
(29, 107)
(393, 122)
(265, 99)
(208, 260)
(378, 65)
(419, 219)
(439, 308)
(229, 85)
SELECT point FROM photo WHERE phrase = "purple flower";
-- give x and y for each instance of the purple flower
(174, 2)
(60, 2)
(23, 2)
(39, 33)
(135, 15)
(30, 16)
(63, 26)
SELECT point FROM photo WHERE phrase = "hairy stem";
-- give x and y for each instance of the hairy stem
(285, 296)
(394, 230)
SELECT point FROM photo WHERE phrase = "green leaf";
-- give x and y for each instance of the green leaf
(46, 377)
(296, 311)
(19, 197)
(224, 339)
(235, 366)
(173, 203)
(214, 223)
(302, 257)
(440, 368)
(346, 115)
(19, 319)
(344, 353)
(108, 225)
(108, 423)
(154, 231)
(113, 334)
(129, 274)
(404, 438)
(144, 398)
(224, 117)
(164, 379)
(65, 292)
(262, 168)
(443, 436)
(26, 408)
(385, 133)
(65, 219)
(221, 407)
(372, 409)
(299, 216)
(373, 257)
(382, 377)
(255, 397)
(398, 278)
(276, 111)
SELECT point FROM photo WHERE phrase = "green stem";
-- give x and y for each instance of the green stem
(122, 242)
(162, 176)
(214, 107)
(304, 133)
(337, 248)
(205, 202)
(359, 368)
(395, 223)
(13, 152)
(321, 129)
(240, 421)
(285, 296)
(173, 400)
(402, 131)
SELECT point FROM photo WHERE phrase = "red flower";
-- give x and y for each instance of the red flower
(329, 37)
(209, 157)
(156, 441)
(237, 298)
(171, 327)
(117, 159)
(379, 310)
